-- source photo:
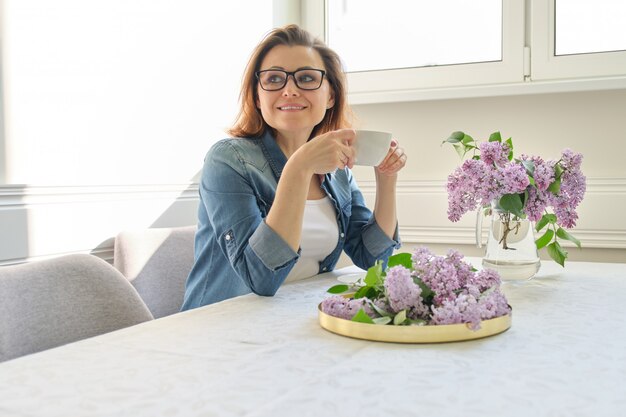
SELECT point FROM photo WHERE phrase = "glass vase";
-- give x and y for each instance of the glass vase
(510, 248)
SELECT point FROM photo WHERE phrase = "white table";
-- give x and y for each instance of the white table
(565, 355)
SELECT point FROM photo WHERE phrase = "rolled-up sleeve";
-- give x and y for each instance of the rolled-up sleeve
(270, 248)
(366, 242)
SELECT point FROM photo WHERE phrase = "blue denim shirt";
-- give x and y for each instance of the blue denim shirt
(236, 252)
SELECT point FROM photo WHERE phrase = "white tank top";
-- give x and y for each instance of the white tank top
(320, 234)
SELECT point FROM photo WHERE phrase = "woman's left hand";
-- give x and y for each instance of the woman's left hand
(394, 161)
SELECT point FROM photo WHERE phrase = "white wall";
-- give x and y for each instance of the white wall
(593, 123)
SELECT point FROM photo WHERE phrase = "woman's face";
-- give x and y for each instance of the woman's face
(291, 110)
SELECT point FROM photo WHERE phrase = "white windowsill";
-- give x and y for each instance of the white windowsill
(493, 90)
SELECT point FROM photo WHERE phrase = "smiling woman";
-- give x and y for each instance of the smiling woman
(278, 201)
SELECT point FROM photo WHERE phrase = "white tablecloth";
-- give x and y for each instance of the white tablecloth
(565, 355)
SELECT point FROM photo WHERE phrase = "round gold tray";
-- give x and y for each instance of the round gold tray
(412, 334)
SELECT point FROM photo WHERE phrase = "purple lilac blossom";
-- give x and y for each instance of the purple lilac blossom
(494, 153)
(462, 309)
(572, 192)
(438, 273)
(485, 279)
(403, 293)
(535, 204)
(514, 179)
(346, 308)
(544, 173)
(493, 304)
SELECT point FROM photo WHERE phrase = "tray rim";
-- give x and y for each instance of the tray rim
(413, 334)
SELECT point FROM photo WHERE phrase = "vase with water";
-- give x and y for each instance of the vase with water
(511, 248)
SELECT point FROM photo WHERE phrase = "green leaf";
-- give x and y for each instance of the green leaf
(400, 318)
(374, 274)
(382, 320)
(555, 187)
(545, 219)
(557, 253)
(509, 142)
(403, 259)
(495, 137)
(545, 239)
(379, 310)
(362, 292)
(455, 137)
(338, 289)
(362, 317)
(529, 166)
(417, 322)
(467, 140)
(512, 203)
(558, 171)
(531, 181)
(460, 149)
(427, 294)
(562, 233)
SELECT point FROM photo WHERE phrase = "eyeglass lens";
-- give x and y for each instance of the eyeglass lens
(306, 79)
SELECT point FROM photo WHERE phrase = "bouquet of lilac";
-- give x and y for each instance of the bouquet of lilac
(421, 289)
(524, 187)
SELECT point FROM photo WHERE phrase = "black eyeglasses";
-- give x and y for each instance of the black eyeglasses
(305, 79)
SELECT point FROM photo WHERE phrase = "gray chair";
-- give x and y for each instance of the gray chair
(157, 262)
(48, 303)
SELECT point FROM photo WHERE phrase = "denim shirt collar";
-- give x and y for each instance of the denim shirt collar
(273, 153)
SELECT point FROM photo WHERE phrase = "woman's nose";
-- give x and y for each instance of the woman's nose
(290, 88)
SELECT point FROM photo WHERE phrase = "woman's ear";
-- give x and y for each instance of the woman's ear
(331, 100)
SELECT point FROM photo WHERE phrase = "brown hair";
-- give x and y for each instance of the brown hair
(250, 122)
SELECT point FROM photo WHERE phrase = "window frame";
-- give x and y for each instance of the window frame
(528, 64)
(545, 65)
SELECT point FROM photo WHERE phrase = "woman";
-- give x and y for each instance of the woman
(277, 202)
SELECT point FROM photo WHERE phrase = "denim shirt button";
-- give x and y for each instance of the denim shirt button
(324, 269)
(227, 237)
(342, 235)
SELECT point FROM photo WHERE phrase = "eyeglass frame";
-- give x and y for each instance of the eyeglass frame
(293, 75)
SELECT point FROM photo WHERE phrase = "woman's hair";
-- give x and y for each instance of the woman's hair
(250, 122)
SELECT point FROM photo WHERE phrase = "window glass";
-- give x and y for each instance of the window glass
(377, 35)
(583, 26)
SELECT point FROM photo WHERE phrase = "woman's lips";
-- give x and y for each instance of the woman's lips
(291, 107)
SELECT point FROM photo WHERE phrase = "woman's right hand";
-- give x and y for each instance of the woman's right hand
(329, 151)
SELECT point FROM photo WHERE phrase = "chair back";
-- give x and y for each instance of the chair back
(157, 263)
(48, 303)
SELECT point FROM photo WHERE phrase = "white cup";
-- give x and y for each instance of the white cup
(371, 147)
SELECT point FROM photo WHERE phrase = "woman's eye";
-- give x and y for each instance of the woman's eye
(277, 79)
(305, 79)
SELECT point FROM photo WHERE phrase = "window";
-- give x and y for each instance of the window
(370, 35)
(578, 39)
(452, 48)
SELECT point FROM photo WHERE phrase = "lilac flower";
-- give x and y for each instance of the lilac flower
(494, 153)
(485, 279)
(403, 293)
(514, 178)
(493, 304)
(346, 308)
(571, 160)
(573, 187)
(438, 273)
(462, 309)
(544, 173)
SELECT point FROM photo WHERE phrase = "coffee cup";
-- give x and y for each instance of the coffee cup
(371, 147)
